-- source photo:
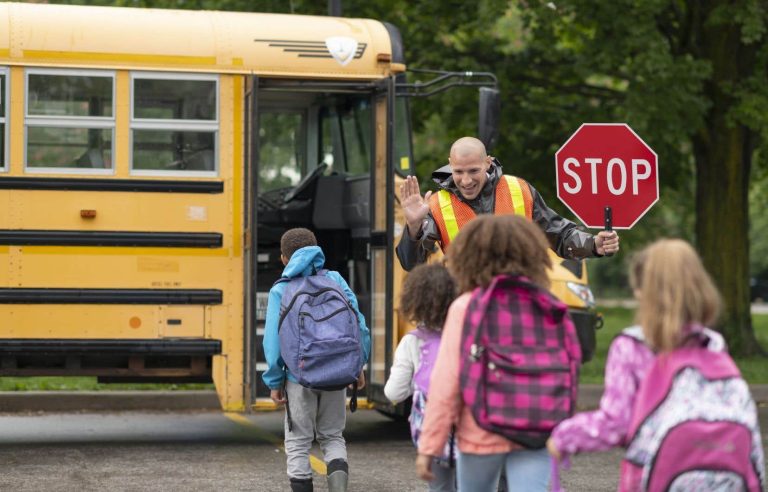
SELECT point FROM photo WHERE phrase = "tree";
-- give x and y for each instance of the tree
(733, 40)
(688, 76)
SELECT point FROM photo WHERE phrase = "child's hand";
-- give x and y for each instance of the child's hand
(278, 396)
(423, 465)
(553, 449)
(360, 381)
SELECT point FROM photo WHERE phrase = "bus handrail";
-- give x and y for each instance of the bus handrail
(447, 79)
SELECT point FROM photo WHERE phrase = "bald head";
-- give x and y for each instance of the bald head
(469, 166)
(467, 147)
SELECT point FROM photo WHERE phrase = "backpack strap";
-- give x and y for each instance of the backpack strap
(715, 341)
(353, 398)
(634, 332)
(288, 418)
(281, 280)
(476, 349)
(422, 333)
(322, 271)
(555, 472)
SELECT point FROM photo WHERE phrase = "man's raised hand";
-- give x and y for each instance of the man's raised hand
(415, 207)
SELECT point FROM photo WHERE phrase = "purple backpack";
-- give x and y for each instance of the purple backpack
(694, 425)
(427, 356)
(521, 354)
(319, 333)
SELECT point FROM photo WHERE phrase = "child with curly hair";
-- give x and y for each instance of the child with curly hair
(427, 293)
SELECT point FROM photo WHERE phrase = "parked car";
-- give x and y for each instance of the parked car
(758, 289)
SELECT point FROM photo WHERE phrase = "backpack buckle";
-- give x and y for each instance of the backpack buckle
(475, 351)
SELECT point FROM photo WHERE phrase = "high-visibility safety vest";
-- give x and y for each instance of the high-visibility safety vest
(513, 196)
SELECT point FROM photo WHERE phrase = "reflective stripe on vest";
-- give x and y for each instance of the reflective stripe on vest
(513, 196)
(451, 225)
(516, 192)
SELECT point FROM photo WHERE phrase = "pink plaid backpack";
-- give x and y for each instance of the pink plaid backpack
(520, 360)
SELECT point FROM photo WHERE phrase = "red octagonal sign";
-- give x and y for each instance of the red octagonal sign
(607, 165)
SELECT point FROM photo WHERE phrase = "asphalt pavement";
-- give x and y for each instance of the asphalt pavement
(214, 451)
(95, 401)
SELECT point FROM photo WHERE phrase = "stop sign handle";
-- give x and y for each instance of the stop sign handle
(608, 218)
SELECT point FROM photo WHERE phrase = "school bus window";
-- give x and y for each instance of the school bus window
(174, 99)
(331, 146)
(174, 124)
(69, 120)
(345, 136)
(281, 149)
(356, 129)
(3, 105)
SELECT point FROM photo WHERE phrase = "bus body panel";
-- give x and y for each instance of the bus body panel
(114, 211)
(103, 321)
(183, 40)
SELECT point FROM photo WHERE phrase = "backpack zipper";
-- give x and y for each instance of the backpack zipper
(290, 305)
(324, 318)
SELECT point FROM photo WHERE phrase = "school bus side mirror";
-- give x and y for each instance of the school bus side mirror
(488, 117)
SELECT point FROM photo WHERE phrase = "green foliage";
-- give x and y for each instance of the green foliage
(615, 320)
(87, 384)
(758, 203)
(754, 369)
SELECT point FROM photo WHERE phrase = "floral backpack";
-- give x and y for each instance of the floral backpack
(694, 425)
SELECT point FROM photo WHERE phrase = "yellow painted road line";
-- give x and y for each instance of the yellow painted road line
(267, 405)
(317, 464)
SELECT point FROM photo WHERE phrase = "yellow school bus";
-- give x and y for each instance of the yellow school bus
(151, 160)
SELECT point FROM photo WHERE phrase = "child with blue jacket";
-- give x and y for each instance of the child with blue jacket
(311, 412)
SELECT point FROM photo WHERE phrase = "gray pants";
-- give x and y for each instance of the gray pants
(321, 414)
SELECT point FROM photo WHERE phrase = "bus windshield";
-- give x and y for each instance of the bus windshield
(327, 134)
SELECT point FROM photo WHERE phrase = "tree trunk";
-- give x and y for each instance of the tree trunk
(723, 159)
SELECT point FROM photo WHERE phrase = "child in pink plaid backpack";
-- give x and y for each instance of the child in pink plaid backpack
(427, 292)
(673, 397)
(508, 360)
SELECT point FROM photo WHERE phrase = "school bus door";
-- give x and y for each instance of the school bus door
(340, 135)
(382, 244)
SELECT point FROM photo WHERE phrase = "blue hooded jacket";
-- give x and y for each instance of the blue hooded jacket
(302, 263)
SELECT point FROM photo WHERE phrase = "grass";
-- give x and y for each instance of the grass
(754, 369)
(87, 384)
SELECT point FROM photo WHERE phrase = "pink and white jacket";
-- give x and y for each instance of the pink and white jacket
(607, 427)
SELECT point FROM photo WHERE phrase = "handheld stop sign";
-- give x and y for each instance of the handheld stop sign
(607, 176)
